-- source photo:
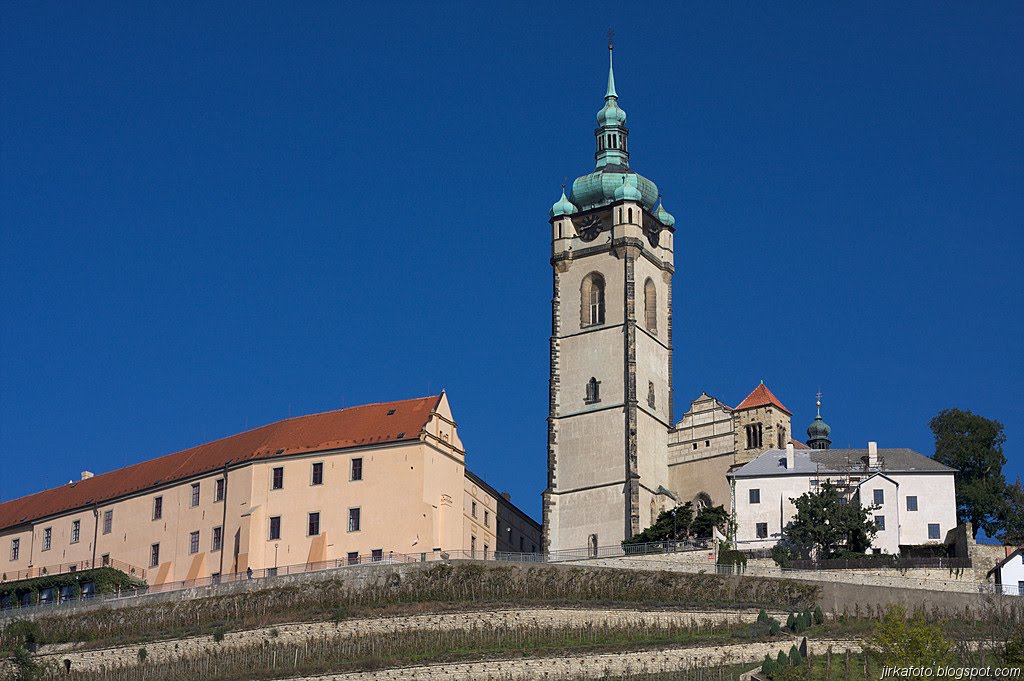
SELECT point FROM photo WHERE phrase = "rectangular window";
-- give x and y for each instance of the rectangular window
(15, 549)
(487, 518)
(762, 530)
(193, 542)
(158, 508)
(879, 497)
(357, 469)
(105, 560)
(522, 545)
(933, 530)
(275, 527)
(278, 478)
(108, 521)
(911, 503)
(755, 496)
(472, 509)
(318, 474)
(218, 539)
(76, 531)
(218, 490)
(377, 555)
(353, 558)
(154, 555)
(486, 551)
(880, 522)
(195, 494)
(314, 524)
(353, 520)
(472, 547)
(47, 538)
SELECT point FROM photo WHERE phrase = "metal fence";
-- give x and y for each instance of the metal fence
(881, 561)
(67, 568)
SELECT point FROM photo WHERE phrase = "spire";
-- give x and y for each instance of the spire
(611, 72)
(818, 432)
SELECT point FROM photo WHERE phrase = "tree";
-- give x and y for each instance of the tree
(1012, 516)
(671, 525)
(899, 642)
(826, 527)
(973, 445)
(709, 519)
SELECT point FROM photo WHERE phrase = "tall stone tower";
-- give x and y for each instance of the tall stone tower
(611, 349)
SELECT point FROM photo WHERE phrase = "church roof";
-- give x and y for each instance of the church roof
(797, 444)
(825, 461)
(759, 397)
(360, 426)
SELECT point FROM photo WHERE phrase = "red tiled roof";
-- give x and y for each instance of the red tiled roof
(797, 444)
(760, 397)
(352, 427)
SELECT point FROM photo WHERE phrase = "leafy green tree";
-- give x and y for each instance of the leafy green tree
(973, 445)
(1012, 516)
(825, 527)
(709, 519)
(899, 642)
(671, 525)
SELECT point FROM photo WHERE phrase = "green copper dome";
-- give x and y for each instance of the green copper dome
(563, 206)
(664, 216)
(818, 429)
(612, 180)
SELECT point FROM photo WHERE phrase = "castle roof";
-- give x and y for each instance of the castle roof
(831, 461)
(370, 424)
(761, 396)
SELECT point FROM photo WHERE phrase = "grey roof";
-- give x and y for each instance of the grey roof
(810, 461)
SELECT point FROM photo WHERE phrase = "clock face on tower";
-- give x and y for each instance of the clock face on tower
(590, 228)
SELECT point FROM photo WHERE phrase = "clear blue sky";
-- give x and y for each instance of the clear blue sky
(215, 215)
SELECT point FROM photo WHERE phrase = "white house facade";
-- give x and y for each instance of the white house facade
(912, 496)
(1009, 574)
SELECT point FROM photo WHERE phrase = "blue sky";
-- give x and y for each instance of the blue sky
(215, 215)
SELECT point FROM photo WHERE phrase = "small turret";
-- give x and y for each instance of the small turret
(818, 431)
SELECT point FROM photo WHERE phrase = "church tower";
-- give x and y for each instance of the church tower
(610, 397)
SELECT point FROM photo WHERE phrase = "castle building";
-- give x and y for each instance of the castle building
(368, 483)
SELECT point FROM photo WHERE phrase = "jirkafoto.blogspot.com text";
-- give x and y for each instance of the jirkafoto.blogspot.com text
(951, 672)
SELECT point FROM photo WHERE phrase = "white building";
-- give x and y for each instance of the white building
(1009, 574)
(912, 495)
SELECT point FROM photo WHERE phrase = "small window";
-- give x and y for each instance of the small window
(314, 524)
(695, 445)
(275, 527)
(487, 550)
(353, 558)
(218, 539)
(487, 518)
(377, 555)
(318, 473)
(158, 508)
(108, 521)
(651, 306)
(105, 560)
(472, 547)
(277, 478)
(193, 542)
(933, 530)
(218, 490)
(592, 303)
(707, 443)
(650, 395)
(195, 494)
(879, 496)
(593, 391)
(47, 538)
(755, 435)
(391, 412)
(357, 469)
(472, 509)
(15, 549)
(755, 496)
(911, 503)
(154, 555)
(353, 520)
(76, 531)
(522, 545)
(762, 530)
(880, 522)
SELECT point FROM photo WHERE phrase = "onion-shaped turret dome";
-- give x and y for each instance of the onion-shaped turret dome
(563, 206)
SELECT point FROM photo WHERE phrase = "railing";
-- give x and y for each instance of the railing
(66, 568)
(880, 561)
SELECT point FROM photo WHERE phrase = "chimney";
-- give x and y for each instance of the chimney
(790, 457)
(86, 475)
(872, 455)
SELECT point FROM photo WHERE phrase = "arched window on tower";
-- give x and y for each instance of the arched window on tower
(782, 437)
(593, 391)
(630, 216)
(650, 306)
(592, 300)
